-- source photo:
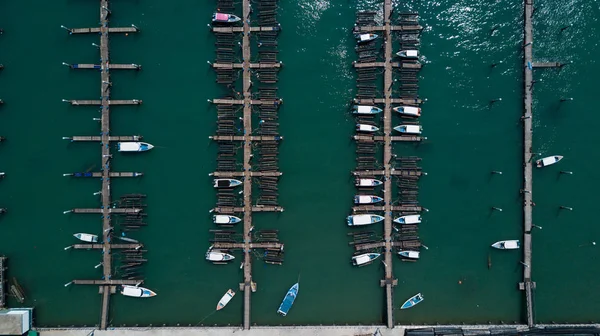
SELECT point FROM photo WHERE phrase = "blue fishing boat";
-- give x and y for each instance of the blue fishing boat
(288, 300)
(413, 301)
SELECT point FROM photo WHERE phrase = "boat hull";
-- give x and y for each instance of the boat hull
(225, 299)
(288, 300)
(134, 291)
(413, 301)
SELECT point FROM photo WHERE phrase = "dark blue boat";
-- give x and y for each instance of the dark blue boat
(288, 300)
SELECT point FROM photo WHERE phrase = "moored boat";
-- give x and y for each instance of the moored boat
(86, 237)
(136, 146)
(363, 38)
(408, 219)
(413, 301)
(225, 18)
(365, 109)
(367, 182)
(408, 111)
(288, 300)
(364, 258)
(409, 129)
(507, 244)
(136, 291)
(409, 254)
(408, 53)
(547, 161)
(225, 299)
(366, 128)
(218, 256)
(226, 183)
(364, 219)
(226, 219)
(367, 199)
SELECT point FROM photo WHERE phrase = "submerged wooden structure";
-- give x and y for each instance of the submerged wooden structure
(258, 143)
(107, 209)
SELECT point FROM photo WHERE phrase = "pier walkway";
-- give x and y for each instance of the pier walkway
(247, 140)
(107, 283)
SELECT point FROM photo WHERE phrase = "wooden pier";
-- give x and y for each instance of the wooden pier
(3, 281)
(106, 210)
(247, 140)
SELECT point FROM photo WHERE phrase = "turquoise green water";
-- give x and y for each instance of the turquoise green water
(467, 140)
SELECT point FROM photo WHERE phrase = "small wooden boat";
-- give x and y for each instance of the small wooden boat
(413, 301)
(365, 219)
(366, 128)
(363, 38)
(218, 256)
(365, 109)
(226, 219)
(288, 300)
(507, 244)
(136, 291)
(226, 183)
(366, 182)
(408, 53)
(409, 129)
(547, 161)
(225, 299)
(408, 111)
(86, 237)
(364, 199)
(225, 18)
(409, 254)
(134, 146)
(408, 219)
(365, 258)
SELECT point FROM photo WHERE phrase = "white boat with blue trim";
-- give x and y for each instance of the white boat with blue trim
(367, 182)
(364, 259)
(136, 291)
(225, 18)
(226, 219)
(547, 161)
(366, 128)
(410, 53)
(288, 300)
(134, 146)
(413, 301)
(218, 256)
(86, 237)
(363, 38)
(226, 183)
(409, 129)
(367, 199)
(225, 299)
(365, 219)
(409, 254)
(507, 245)
(408, 219)
(366, 109)
(408, 111)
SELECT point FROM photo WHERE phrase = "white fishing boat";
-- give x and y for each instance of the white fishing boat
(226, 219)
(409, 129)
(86, 237)
(134, 146)
(408, 53)
(225, 18)
(408, 111)
(218, 256)
(507, 244)
(408, 219)
(547, 161)
(365, 109)
(225, 299)
(226, 183)
(409, 254)
(365, 199)
(364, 219)
(363, 38)
(367, 182)
(366, 128)
(363, 259)
(136, 291)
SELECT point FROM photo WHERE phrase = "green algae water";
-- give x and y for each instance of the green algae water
(467, 139)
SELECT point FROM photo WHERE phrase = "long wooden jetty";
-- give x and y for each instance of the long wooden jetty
(3, 281)
(248, 141)
(106, 210)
